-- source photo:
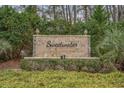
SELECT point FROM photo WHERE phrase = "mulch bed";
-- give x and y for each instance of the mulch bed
(12, 64)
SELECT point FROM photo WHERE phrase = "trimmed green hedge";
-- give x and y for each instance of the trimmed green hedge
(88, 65)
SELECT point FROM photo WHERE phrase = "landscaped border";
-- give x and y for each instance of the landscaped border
(88, 65)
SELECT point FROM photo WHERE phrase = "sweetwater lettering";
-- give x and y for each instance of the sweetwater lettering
(61, 44)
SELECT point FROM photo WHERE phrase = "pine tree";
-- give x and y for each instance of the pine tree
(97, 25)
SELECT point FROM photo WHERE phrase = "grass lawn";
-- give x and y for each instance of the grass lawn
(59, 79)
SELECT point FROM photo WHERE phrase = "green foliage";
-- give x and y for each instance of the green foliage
(59, 79)
(67, 64)
(78, 28)
(17, 28)
(111, 49)
(5, 48)
(96, 26)
(55, 27)
(7, 19)
(61, 27)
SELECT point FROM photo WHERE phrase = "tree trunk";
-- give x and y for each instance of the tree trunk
(54, 12)
(85, 13)
(120, 12)
(115, 14)
(63, 11)
(75, 13)
(69, 12)
(66, 12)
(90, 10)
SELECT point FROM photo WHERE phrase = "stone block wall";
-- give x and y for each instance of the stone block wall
(48, 46)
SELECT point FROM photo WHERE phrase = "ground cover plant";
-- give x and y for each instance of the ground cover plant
(59, 79)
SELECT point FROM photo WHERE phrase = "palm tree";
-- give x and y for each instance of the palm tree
(111, 49)
(5, 47)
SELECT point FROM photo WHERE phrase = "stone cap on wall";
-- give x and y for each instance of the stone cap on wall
(61, 35)
(60, 58)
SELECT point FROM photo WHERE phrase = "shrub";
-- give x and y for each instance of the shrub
(5, 50)
(111, 49)
(87, 65)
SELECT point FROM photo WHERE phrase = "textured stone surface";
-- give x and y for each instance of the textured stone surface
(58, 45)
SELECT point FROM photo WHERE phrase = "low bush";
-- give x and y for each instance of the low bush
(88, 65)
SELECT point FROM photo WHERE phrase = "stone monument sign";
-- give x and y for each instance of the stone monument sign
(52, 46)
